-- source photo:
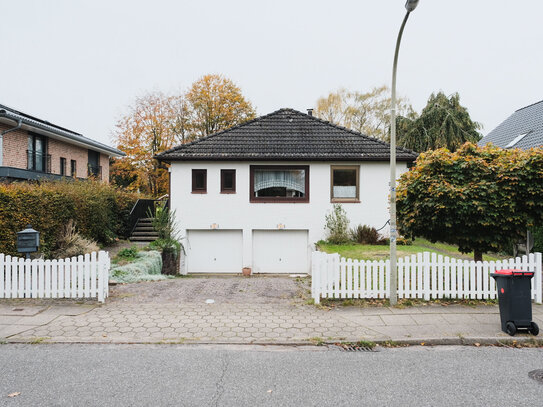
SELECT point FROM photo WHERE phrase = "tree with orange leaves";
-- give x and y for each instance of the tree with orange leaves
(154, 123)
(157, 122)
(215, 104)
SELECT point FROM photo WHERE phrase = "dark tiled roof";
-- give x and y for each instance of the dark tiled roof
(286, 135)
(528, 121)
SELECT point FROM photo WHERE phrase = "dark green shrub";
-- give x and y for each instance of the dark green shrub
(98, 211)
(365, 234)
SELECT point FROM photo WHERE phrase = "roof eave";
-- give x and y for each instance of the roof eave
(72, 138)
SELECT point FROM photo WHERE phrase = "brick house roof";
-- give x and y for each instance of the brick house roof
(286, 135)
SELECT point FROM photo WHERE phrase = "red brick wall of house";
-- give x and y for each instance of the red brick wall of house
(16, 143)
(14, 147)
(59, 149)
(104, 162)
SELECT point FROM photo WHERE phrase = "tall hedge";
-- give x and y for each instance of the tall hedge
(100, 212)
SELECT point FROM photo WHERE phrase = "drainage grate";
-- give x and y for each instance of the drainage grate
(354, 348)
(537, 375)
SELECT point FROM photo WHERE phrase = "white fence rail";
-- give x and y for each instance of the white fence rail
(425, 276)
(79, 277)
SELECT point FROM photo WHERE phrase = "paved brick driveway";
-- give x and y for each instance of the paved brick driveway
(245, 310)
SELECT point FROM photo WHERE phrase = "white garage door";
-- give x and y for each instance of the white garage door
(214, 251)
(280, 251)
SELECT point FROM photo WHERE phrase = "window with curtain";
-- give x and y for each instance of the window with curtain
(344, 183)
(279, 183)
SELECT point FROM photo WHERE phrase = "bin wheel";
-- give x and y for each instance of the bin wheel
(534, 329)
(511, 328)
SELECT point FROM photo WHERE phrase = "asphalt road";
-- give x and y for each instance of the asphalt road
(177, 375)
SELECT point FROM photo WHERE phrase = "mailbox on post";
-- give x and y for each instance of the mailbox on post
(28, 241)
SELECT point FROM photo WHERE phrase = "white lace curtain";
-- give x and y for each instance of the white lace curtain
(290, 179)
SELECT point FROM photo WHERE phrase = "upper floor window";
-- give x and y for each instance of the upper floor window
(73, 168)
(62, 166)
(344, 183)
(199, 181)
(279, 183)
(94, 168)
(228, 181)
(37, 158)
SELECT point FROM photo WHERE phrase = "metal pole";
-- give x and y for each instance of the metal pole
(393, 295)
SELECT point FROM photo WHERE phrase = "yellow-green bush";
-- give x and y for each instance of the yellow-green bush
(100, 212)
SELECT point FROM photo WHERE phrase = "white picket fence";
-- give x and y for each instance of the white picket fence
(425, 276)
(78, 277)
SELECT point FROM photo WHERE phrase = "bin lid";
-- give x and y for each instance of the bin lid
(513, 272)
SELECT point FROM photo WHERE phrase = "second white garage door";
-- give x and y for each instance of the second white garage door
(280, 251)
(214, 251)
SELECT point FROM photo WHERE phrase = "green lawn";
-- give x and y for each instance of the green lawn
(381, 252)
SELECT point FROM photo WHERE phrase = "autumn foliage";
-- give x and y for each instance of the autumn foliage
(156, 122)
(479, 198)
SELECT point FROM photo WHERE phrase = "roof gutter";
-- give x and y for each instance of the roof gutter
(19, 124)
(78, 139)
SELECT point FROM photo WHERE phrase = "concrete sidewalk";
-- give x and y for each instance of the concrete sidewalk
(277, 323)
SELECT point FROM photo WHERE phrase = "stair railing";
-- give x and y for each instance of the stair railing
(141, 208)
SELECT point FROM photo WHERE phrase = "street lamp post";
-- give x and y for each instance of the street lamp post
(410, 6)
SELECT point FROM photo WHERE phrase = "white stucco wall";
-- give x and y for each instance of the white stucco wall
(234, 211)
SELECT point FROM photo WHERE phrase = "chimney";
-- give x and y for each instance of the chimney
(310, 112)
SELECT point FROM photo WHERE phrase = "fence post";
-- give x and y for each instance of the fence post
(101, 275)
(316, 259)
(537, 280)
(426, 270)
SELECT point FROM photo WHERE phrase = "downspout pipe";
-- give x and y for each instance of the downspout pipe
(19, 124)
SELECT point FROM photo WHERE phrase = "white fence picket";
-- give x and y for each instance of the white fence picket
(423, 275)
(83, 277)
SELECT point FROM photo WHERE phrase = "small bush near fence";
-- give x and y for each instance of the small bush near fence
(100, 212)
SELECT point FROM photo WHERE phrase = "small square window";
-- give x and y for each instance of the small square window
(228, 181)
(199, 181)
(345, 183)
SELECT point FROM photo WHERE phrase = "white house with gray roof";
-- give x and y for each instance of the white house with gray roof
(523, 129)
(256, 195)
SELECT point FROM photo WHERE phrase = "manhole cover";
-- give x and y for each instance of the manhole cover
(354, 348)
(537, 375)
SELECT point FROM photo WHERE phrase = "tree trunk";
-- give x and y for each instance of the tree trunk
(477, 255)
(169, 262)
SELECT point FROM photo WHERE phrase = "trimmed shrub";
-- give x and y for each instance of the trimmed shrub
(100, 212)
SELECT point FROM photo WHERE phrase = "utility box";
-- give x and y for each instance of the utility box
(28, 240)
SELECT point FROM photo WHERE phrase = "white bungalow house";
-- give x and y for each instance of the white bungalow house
(256, 195)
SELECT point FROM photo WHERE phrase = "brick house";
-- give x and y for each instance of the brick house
(32, 148)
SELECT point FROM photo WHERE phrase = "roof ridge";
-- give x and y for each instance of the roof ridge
(237, 126)
(525, 107)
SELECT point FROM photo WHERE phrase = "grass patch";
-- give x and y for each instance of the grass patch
(403, 302)
(382, 252)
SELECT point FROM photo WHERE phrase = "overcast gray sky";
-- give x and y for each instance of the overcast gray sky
(80, 63)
